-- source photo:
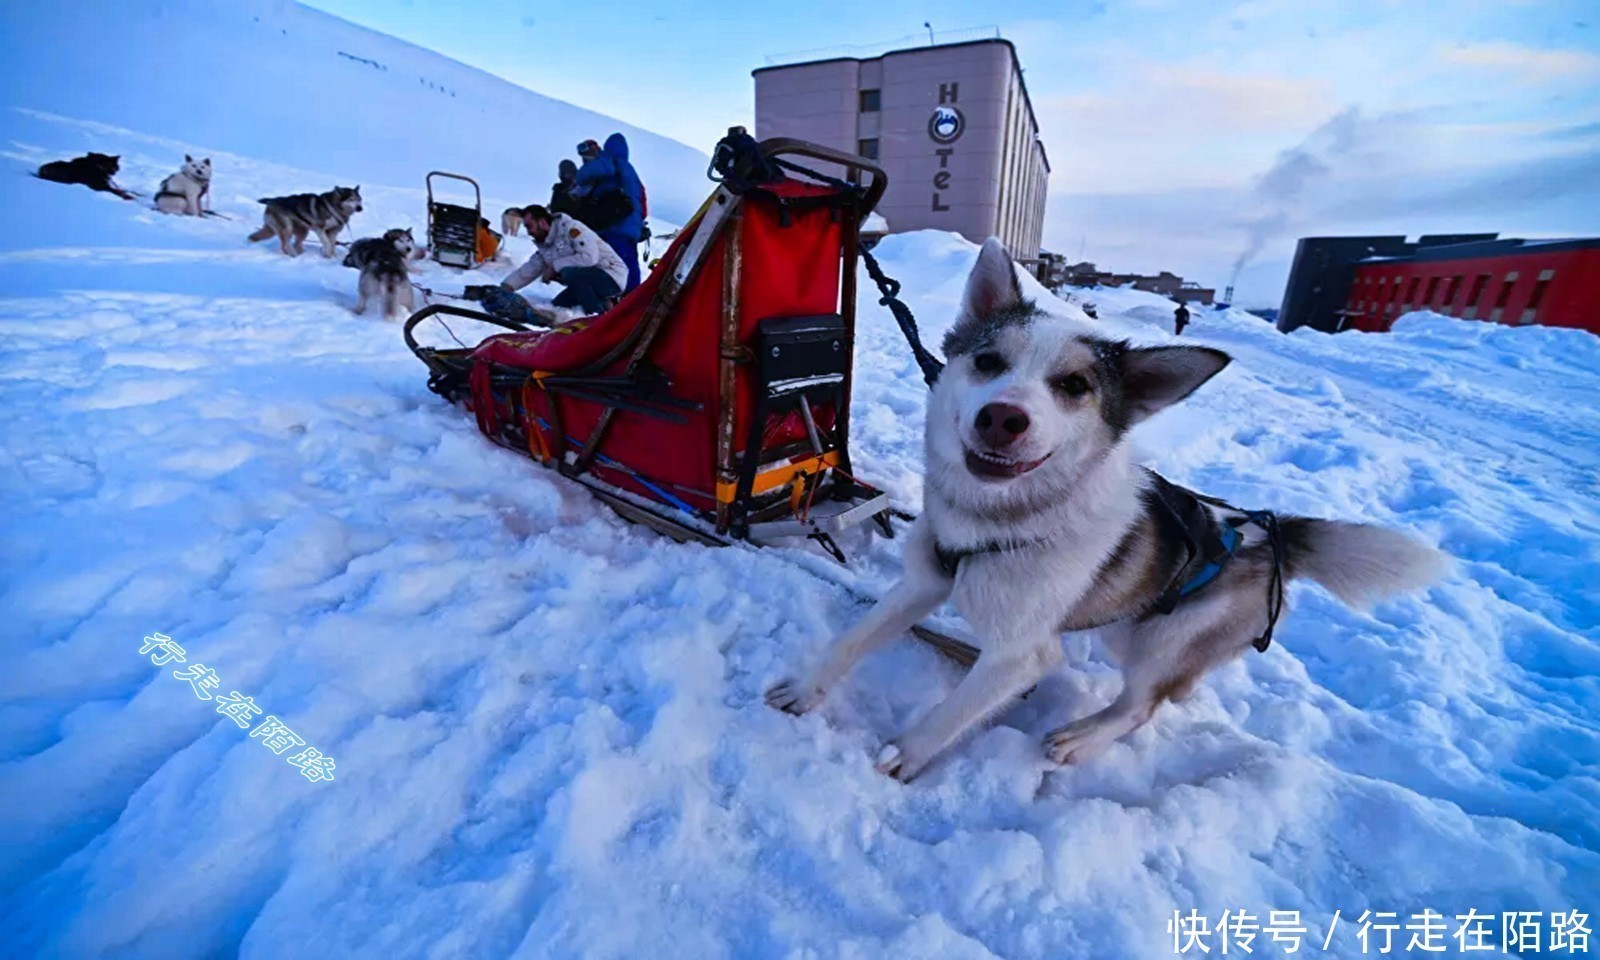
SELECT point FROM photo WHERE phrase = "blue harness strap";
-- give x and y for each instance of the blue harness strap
(1211, 545)
(1229, 538)
(1208, 545)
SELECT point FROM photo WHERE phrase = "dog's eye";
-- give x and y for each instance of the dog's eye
(989, 363)
(1073, 384)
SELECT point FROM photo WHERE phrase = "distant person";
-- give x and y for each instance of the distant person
(587, 202)
(569, 253)
(614, 199)
(1180, 319)
(1090, 311)
(561, 198)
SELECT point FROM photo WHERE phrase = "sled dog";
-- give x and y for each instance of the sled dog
(300, 214)
(186, 191)
(1036, 520)
(393, 242)
(511, 221)
(385, 274)
(93, 170)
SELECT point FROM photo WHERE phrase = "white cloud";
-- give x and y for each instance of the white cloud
(1526, 64)
(1162, 127)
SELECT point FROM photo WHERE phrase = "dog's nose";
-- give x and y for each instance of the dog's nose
(1000, 424)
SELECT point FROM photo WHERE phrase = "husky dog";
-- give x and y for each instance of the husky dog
(93, 170)
(1037, 520)
(393, 242)
(297, 215)
(384, 271)
(186, 191)
(511, 221)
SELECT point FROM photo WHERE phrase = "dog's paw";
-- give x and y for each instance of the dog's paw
(1078, 741)
(889, 760)
(792, 696)
(901, 762)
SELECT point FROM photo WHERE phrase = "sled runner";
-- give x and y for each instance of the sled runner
(453, 228)
(712, 402)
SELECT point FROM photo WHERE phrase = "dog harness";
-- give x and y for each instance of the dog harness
(1183, 520)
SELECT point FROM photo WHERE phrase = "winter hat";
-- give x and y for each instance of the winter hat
(568, 169)
(588, 148)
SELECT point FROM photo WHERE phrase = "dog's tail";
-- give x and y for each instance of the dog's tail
(1359, 564)
(262, 234)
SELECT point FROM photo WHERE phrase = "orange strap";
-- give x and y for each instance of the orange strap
(775, 477)
(536, 442)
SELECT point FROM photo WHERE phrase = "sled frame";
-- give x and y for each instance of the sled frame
(453, 228)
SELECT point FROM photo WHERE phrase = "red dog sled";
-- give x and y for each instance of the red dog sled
(712, 402)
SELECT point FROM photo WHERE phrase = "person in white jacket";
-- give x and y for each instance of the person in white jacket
(569, 253)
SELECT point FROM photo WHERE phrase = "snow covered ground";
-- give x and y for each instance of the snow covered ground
(287, 85)
(547, 724)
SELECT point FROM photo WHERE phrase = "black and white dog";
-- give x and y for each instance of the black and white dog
(385, 268)
(1036, 520)
(186, 191)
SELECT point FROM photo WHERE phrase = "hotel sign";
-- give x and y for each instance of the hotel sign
(945, 128)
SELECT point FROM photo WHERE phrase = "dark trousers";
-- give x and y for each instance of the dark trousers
(628, 249)
(587, 288)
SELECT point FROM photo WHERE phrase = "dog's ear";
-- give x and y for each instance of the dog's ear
(992, 285)
(188, 159)
(993, 299)
(1154, 378)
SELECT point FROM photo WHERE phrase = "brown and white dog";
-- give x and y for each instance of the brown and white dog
(1037, 520)
(511, 221)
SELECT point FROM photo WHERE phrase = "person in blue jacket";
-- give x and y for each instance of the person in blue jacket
(608, 171)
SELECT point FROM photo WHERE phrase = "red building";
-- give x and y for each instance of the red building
(1555, 283)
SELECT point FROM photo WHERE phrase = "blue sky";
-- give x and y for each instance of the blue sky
(1182, 134)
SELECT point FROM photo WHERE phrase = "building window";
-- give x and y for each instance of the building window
(1433, 288)
(1505, 291)
(1504, 298)
(867, 148)
(1469, 306)
(1411, 291)
(871, 101)
(1531, 312)
(1451, 289)
(1478, 286)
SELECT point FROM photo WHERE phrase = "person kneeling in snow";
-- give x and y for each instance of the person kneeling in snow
(569, 253)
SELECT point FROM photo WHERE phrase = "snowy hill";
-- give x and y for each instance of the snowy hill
(284, 84)
(548, 725)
